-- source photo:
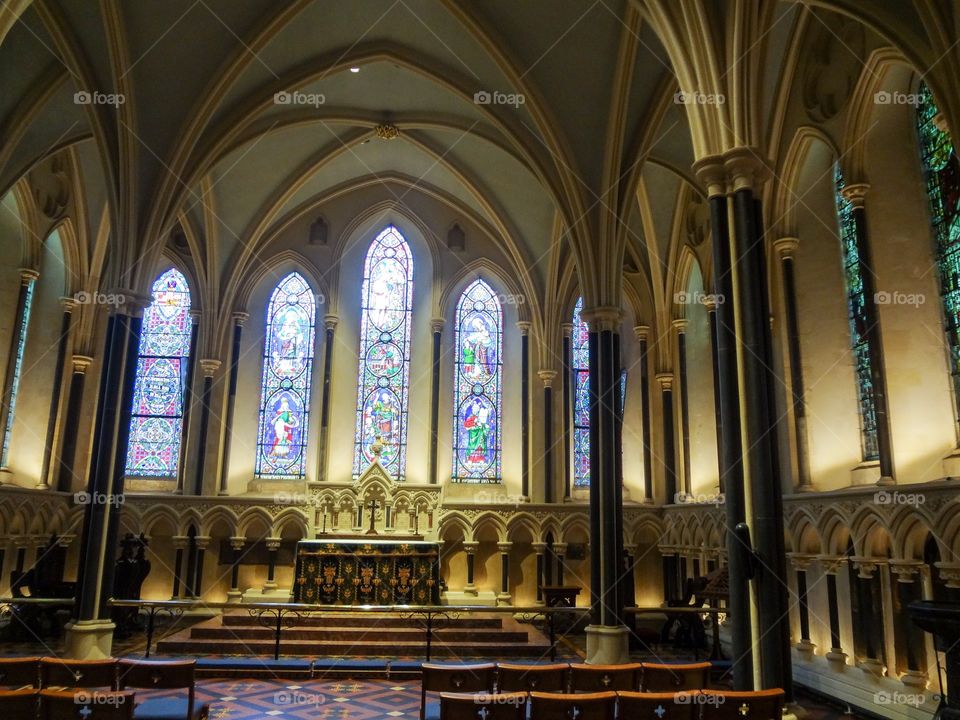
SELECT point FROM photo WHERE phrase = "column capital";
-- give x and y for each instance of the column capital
(747, 168)
(680, 324)
(547, 376)
(202, 541)
(209, 366)
(195, 316)
(801, 561)
(949, 573)
(641, 332)
(666, 380)
(710, 302)
(28, 275)
(524, 326)
(560, 548)
(605, 317)
(272, 543)
(69, 303)
(180, 542)
(865, 566)
(567, 329)
(237, 542)
(831, 563)
(786, 246)
(906, 570)
(128, 302)
(856, 193)
(470, 547)
(81, 363)
(437, 323)
(240, 318)
(504, 547)
(539, 547)
(65, 540)
(711, 173)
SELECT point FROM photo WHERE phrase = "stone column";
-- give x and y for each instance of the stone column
(470, 548)
(49, 469)
(236, 545)
(90, 633)
(547, 377)
(68, 453)
(21, 321)
(801, 564)
(209, 367)
(524, 327)
(560, 552)
(330, 322)
(179, 544)
(436, 325)
(539, 548)
(630, 582)
(567, 410)
(831, 565)
(503, 598)
(239, 318)
(711, 304)
(607, 635)
(909, 588)
(871, 607)
(200, 544)
(680, 327)
(273, 546)
(665, 379)
(786, 248)
(642, 333)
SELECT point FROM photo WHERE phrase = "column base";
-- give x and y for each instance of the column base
(504, 598)
(41, 486)
(234, 596)
(915, 679)
(837, 659)
(872, 668)
(89, 639)
(269, 586)
(806, 649)
(608, 644)
(886, 481)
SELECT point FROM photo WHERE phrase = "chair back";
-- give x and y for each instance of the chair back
(601, 678)
(659, 706)
(23, 703)
(55, 672)
(527, 678)
(157, 674)
(673, 678)
(559, 706)
(86, 705)
(20, 672)
(474, 678)
(483, 706)
(740, 705)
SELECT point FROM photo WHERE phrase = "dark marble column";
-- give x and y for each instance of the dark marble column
(567, 372)
(525, 408)
(236, 546)
(330, 326)
(540, 549)
(180, 544)
(437, 327)
(273, 546)
(801, 564)
(50, 468)
(831, 566)
(21, 322)
(630, 581)
(642, 332)
(67, 459)
(669, 444)
(680, 326)
(547, 377)
(239, 318)
(504, 597)
(209, 368)
(200, 544)
(715, 364)
(560, 552)
(470, 548)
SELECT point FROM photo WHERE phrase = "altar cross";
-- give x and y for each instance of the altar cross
(373, 516)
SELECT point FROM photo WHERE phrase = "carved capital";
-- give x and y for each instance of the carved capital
(240, 318)
(666, 380)
(786, 246)
(801, 561)
(641, 332)
(28, 275)
(566, 329)
(209, 366)
(504, 547)
(547, 376)
(560, 549)
(69, 303)
(437, 323)
(856, 193)
(949, 573)
(81, 363)
(747, 169)
(600, 319)
(712, 174)
(866, 567)
(831, 563)
(906, 570)
(523, 326)
(237, 542)
(202, 541)
(680, 324)
(273, 544)
(539, 547)
(471, 547)
(179, 542)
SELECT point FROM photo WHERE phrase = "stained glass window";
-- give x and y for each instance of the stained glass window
(387, 302)
(856, 307)
(476, 421)
(156, 422)
(285, 388)
(580, 343)
(17, 369)
(943, 188)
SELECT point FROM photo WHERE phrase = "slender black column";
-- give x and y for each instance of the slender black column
(67, 459)
(855, 193)
(681, 328)
(209, 367)
(330, 325)
(547, 376)
(630, 582)
(567, 410)
(540, 549)
(642, 334)
(786, 247)
(471, 549)
(669, 443)
(188, 401)
(236, 545)
(560, 551)
(238, 320)
(200, 545)
(21, 318)
(525, 407)
(179, 543)
(273, 546)
(435, 400)
(504, 549)
(712, 311)
(760, 444)
(53, 417)
(833, 610)
(803, 606)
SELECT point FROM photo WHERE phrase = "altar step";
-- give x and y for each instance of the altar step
(359, 636)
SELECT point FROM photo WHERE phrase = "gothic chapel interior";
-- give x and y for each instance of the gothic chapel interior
(623, 331)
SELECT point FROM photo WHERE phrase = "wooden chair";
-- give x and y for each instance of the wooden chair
(601, 678)
(483, 706)
(659, 706)
(23, 703)
(85, 705)
(739, 705)
(475, 678)
(561, 706)
(527, 678)
(163, 675)
(673, 678)
(88, 674)
(20, 672)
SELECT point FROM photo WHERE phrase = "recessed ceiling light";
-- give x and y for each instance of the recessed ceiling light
(354, 69)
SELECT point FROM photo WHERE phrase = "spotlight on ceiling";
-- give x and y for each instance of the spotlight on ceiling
(354, 69)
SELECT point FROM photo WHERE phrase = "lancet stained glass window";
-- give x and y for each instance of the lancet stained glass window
(285, 388)
(856, 306)
(156, 423)
(580, 344)
(17, 369)
(942, 171)
(476, 421)
(387, 302)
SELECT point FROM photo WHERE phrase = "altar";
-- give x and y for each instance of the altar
(367, 571)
